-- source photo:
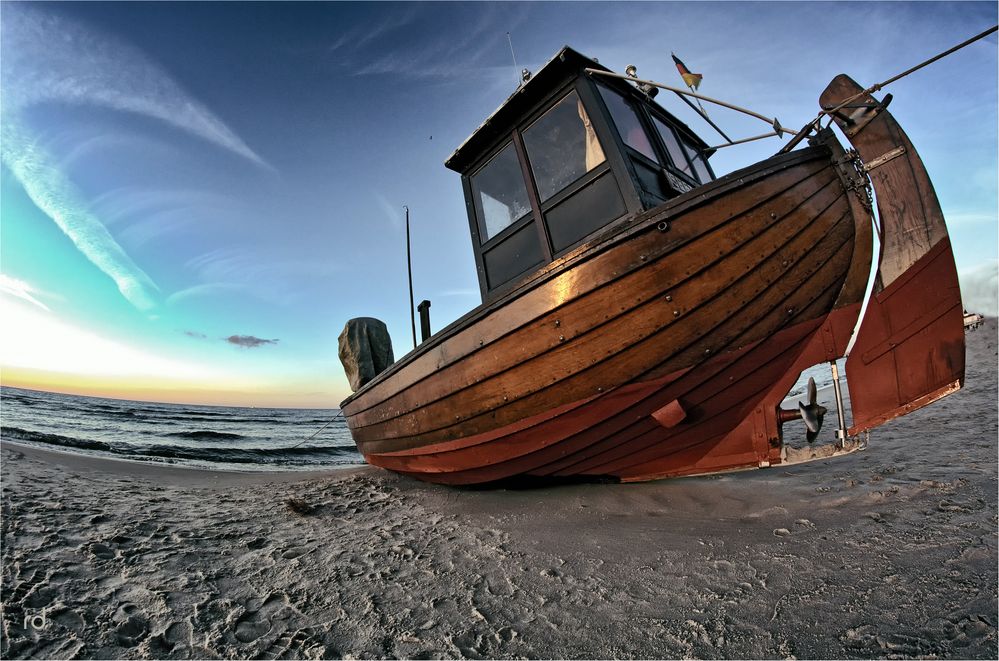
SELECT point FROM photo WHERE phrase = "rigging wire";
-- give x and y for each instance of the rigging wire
(515, 68)
(878, 86)
(810, 126)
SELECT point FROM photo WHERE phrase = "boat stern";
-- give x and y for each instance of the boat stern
(909, 351)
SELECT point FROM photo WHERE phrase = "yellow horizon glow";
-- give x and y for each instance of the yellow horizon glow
(41, 352)
(164, 391)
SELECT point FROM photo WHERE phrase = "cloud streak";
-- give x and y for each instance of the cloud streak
(249, 341)
(445, 54)
(49, 59)
(363, 34)
(58, 198)
(208, 289)
(20, 289)
(274, 279)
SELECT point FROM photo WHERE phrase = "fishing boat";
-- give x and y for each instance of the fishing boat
(642, 318)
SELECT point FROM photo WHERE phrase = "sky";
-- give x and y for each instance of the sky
(195, 197)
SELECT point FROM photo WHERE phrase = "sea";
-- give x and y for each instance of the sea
(208, 437)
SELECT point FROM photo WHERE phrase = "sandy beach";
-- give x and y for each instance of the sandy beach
(889, 552)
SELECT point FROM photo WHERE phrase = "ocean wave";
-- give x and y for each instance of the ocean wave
(205, 435)
(20, 399)
(17, 434)
(166, 452)
(279, 456)
(184, 417)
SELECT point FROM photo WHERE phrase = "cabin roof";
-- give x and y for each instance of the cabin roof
(566, 63)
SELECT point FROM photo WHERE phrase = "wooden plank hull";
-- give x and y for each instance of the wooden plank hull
(663, 349)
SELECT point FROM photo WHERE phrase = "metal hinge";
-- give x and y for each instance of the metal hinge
(884, 158)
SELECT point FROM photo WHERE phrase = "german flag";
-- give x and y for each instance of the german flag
(693, 80)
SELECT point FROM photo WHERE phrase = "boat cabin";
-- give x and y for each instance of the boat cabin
(566, 156)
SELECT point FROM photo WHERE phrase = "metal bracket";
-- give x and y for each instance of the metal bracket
(855, 178)
(884, 158)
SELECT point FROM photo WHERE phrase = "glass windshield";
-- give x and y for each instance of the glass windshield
(562, 146)
(699, 163)
(502, 193)
(627, 122)
(676, 153)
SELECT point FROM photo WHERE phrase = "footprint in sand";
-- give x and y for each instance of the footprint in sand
(296, 645)
(256, 544)
(257, 622)
(132, 626)
(176, 635)
(101, 551)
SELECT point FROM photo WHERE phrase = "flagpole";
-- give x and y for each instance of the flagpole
(704, 112)
(409, 269)
(704, 116)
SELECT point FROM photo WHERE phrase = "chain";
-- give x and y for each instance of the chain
(859, 181)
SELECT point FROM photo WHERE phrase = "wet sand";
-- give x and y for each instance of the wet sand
(890, 552)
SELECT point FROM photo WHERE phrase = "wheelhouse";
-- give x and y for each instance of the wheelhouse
(566, 156)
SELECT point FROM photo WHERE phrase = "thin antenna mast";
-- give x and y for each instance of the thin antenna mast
(409, 268)
(516, 69)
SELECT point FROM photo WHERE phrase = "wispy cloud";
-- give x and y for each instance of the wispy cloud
(362, 35)
(48, 58)
(59, 199)
(126, 203)
(449, 54)
(20, 289)
(195, 334)
(155, 225)
(208, 289)
(277, 280)
(248, 341)
(395, 215)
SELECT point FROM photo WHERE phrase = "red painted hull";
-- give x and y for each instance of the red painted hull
(616, 436)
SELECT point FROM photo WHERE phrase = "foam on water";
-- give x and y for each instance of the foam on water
(215, 437)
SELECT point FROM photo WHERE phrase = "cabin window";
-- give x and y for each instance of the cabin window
(676, 153)
(562, 146)
(628, 124)
(700, 164)
(500, 192)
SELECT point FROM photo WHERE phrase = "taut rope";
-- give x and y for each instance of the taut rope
(878, 86)
(316, 433)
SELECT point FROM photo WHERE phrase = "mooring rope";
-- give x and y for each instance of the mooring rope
(339, 414)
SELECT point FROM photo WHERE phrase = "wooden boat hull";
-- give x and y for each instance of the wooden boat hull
(709, 312)
(665, 347)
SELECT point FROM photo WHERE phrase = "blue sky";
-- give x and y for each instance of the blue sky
(195, 196)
